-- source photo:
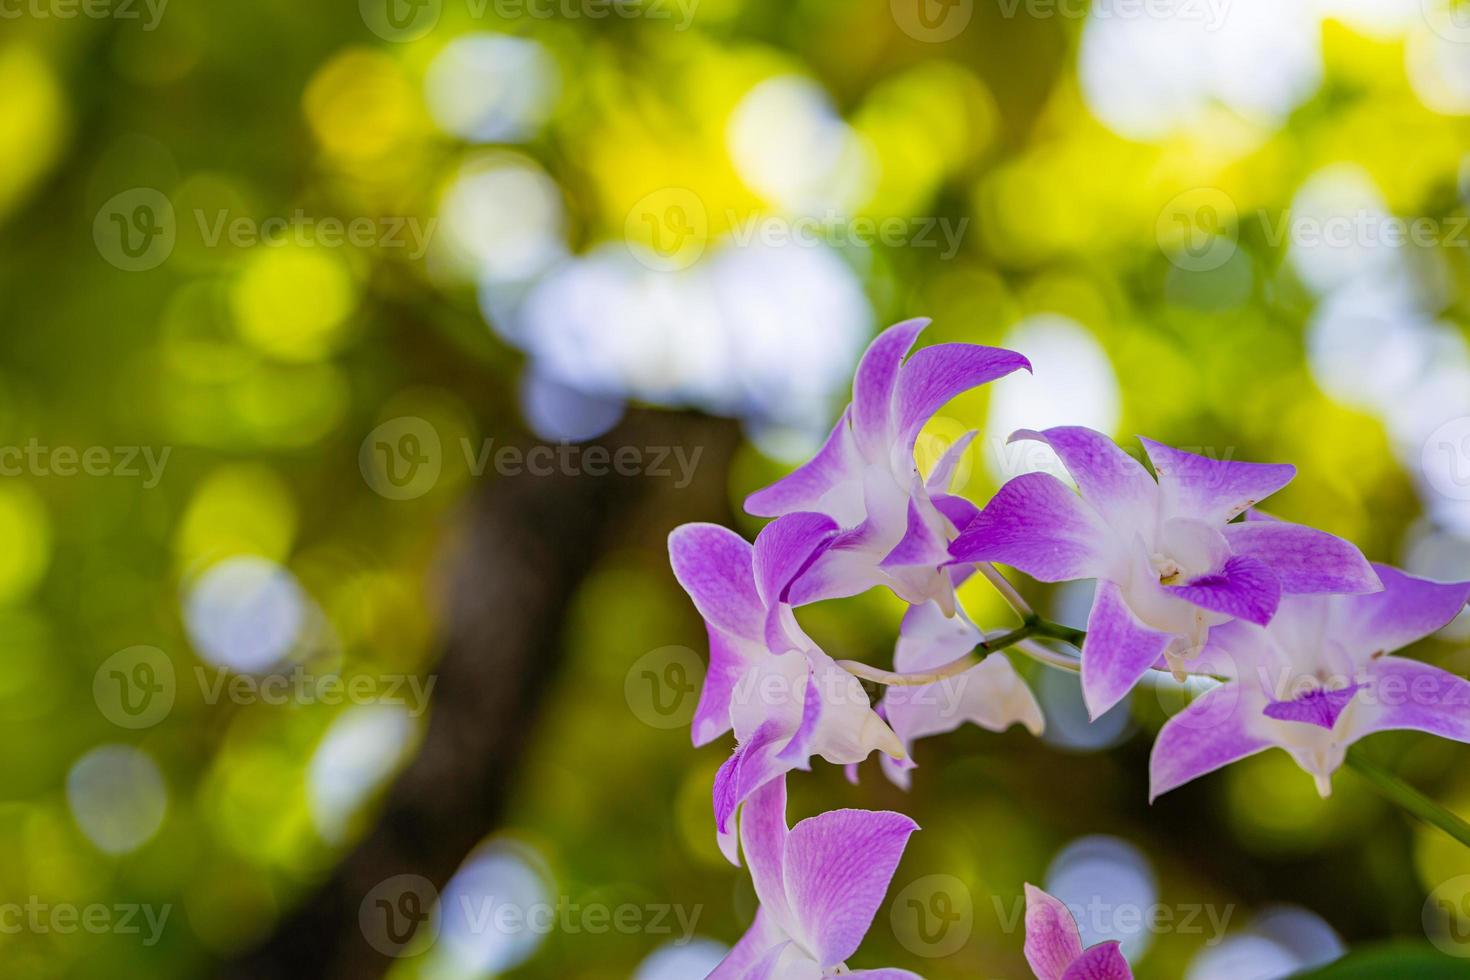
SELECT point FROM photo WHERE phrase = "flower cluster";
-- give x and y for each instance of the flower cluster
(1292, 626)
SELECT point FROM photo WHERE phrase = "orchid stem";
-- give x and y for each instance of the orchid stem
(1007, 590)
(1396, 791)
(1034, 626)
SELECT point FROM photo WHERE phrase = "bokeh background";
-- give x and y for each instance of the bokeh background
(291, 293)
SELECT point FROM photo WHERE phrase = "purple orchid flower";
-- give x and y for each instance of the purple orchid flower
(1317, 679)
(1054, 945)
(786, 700)
(1169, 564)
(819, 884)
(991, 694)
(895, 525)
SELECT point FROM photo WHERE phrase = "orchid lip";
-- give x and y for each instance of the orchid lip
(1320, 707)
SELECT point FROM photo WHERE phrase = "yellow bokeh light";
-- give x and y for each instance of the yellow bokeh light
(33, 125)
(237, 510)
(293, 302)
(26, 530)
(361, 105)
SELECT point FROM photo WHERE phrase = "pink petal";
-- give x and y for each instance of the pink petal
(1306, 560)
(873, 386)
(943, 472)
(1213, 731)
(934, 375)
(1118, 650)
(1052, 940)
(727, 662)
(1110, 480)
(836, 462)
(754, 947)
(1409, 695)
(1037, 524)
(1101, 962)
(1321, 707)
(921, 543)
(753, 765)
(713, 564)
(1244, 588)
(838, 868)
(763, 836)
(1212, 490)
(1408, 609)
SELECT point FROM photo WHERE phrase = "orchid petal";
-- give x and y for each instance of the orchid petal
(1213, 731)
(1101, 962)
(939, 478)
(1118, 651)
(1306, 560)
(752, 765)
(1409, 695)
(1037, 524)
(803, 488)
(1321, 706)
(763, 836)
(1052, 940)
(785, 547)
(1244, 588)
(922, 543)
(752, 950)
(957, 510)
(837, 870)
(713, 564)
(727, 662)
(1110, 480)
(873, 385)
(1212, 490)
(934, 375)
(1408, 609)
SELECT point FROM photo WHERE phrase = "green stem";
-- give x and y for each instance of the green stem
(1033, 626)
(1396, 791)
